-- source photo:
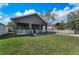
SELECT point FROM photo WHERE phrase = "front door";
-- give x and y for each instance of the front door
(34, 28)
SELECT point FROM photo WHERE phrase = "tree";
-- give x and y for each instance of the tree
(60, 25)
(73, 21)
(50, 16)
(10, 27)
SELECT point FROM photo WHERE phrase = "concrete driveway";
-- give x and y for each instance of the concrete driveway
(65, 32)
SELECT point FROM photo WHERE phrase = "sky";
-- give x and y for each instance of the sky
(8, 10)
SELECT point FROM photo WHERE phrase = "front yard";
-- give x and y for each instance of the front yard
(50, 44)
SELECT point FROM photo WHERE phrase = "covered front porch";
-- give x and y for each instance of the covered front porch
(26, 28)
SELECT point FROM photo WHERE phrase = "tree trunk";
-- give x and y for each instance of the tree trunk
(75, 29)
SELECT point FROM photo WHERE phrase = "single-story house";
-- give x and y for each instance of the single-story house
(3, 29)
(29, 24)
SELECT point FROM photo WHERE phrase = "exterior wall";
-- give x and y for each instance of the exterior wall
(3, 29)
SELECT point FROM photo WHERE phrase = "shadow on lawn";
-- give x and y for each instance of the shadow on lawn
(10, 35)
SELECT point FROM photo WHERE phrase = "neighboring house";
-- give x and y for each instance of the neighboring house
(3, 29)
(29, 24)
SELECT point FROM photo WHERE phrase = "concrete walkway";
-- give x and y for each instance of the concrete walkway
(75, 35)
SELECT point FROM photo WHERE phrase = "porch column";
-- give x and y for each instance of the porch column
(30, 28)
(15, 28)
(46, 28)
(40, 27)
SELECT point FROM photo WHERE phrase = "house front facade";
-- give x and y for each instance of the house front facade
(3, 29)
(29, 24)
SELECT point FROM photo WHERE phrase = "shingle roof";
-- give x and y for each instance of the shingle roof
(14, 18)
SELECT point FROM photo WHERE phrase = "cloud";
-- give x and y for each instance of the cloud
(26, 12)
(3, 4)
(54, 9)
(4, 18)
(74, 4)
(0, 17)
(61, 14)
(66, 8)
(30, 11)
(18, 14)
(7, 19)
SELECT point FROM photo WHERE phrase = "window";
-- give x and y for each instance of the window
(26, 26)
(22, 26)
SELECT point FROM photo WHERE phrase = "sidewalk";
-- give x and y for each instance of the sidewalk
(75, 35)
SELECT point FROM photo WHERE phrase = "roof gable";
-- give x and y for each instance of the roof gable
(36, 15)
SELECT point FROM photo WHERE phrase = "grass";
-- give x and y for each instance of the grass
(50, 44)
(77, 32)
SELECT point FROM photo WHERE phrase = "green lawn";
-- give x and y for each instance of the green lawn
(39, 44)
